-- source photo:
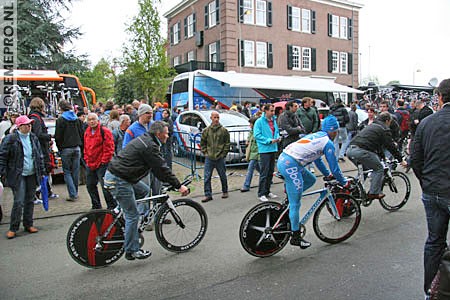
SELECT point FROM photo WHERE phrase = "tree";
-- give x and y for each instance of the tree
(372, 80)
(101, 79)
(42, 35)
(144, 56)
(393, 82)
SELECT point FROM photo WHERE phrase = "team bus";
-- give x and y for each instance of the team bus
(19, 86)
(202, 89)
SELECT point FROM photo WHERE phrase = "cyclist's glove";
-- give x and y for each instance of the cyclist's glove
(328, 178)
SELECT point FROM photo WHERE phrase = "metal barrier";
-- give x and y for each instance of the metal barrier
(187, 152)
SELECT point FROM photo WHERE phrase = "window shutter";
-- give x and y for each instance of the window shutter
(218, 50)
(186, 57)
(289, 17)
(330, 61)
(171, 35)
(185, 28)
(194, 23)
(241, 11)
(241, 52)
(206, 52)
(350, 63)
(350, 28)
(313, 21)
(289, 57)
(217, 12)
(269, 13)
(206, 17)
(330, 24)
(313, 60)
(269, 55)
(195, 54)
(179, 31)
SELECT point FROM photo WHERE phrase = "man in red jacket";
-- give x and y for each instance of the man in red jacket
(98, 151)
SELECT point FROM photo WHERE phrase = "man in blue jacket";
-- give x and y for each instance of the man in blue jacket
(267, 137)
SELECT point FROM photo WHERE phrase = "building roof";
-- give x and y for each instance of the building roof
(275, 82)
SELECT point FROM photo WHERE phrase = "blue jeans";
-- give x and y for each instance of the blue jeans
(345, 145)
(219, 165)
(266, 167)
(124, 193)
(341, 138)
(437, 210)
(23, 201)
(92, 179)
(296, 180)
(71, 167)
(252, 165)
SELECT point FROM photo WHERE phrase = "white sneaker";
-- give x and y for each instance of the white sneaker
(263, 199)
(272, 196)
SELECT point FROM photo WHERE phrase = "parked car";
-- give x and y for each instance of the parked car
(51, 126)
(189, 125)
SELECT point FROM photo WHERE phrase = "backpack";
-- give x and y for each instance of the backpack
(404, 122)
(104, 119)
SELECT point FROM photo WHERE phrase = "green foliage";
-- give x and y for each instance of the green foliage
(145, 58)
(101, 79)
(42, 35)
(368, 79)
(393, 82)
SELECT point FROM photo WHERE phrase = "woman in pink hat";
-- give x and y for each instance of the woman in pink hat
(21, 168)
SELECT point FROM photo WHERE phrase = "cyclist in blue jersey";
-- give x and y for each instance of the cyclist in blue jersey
(292, 165)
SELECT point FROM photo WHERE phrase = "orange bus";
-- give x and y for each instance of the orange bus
(22, 85)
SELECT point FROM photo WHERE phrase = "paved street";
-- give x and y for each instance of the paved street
(383, 260)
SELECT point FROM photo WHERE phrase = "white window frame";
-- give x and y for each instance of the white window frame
(335, 62)
(212, 14)
(176, 35)
(249, 53)
(176, 61)
(306, 20)
(344, 97)
(296, 57)
(296, 18)
(343, 59)
(248, 12)
(261, 54)
(191, 55)
(190, 25)
(335, 26)
(343, 32)
(306, 59)
(212, 48)
(261, 12)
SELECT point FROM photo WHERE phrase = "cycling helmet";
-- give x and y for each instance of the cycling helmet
(330, 124)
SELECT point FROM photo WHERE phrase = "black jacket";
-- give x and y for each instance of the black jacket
(430, 158)
(375, 138)
(420, 115)
(12, 158)
(141, 156)
(40, 130)
(340, 112)
(68, 133)
(290, 122)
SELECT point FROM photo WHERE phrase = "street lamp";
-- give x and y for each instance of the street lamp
(414, 75)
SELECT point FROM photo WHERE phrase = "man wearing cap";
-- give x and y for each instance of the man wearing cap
(21, 168)
(368, 146)
(140, 126)
(292, 165)
(69, 140)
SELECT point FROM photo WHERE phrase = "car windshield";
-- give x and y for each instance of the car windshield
(228, 119)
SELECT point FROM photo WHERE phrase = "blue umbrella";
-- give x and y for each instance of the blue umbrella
(44, 192)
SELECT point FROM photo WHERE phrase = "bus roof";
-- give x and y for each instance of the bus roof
(276, 82)
(30, 75)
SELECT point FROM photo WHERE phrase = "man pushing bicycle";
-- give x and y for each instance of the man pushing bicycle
(292, 165)
(141, 156)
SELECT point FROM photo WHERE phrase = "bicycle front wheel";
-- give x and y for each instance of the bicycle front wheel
(257, 233)
(182, 230)
(397, 190)
(331, 229)
(85, 241)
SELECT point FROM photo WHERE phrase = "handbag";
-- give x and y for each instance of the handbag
(44, 192)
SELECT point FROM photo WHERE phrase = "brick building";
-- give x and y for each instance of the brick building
(278, 37)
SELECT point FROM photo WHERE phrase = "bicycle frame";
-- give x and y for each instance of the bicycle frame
(324, 195)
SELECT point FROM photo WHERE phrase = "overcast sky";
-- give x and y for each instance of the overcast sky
(399, 39)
